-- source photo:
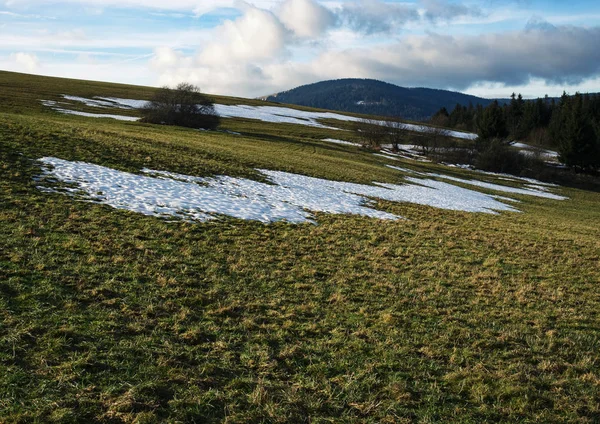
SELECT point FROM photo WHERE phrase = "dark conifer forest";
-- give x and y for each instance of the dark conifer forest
(569, 125)
(376, 98)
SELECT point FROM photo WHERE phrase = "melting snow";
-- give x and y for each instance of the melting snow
(293, 116)
(54, 106)
(530, 189)
(396, 156)
(406, 170)
(124, 103)
(274, 114)
(511, 177)
(90, 102)
(290, 197)
(281, 115)
(336, 141)
(527, 149)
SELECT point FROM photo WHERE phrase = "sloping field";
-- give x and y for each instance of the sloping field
(261, 273)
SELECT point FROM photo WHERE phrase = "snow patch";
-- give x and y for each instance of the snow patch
(280, 115)
(397, 155)
(273, 114)
(125, 103)
(55, 106)
(406, 170)
(336, 141)
(90, 102)
(290, 197)
(529, 150)
(530, 190)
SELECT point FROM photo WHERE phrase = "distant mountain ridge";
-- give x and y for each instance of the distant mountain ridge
(375, 97)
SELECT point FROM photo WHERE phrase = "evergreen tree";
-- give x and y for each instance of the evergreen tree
(456, 117)
(491, 123)
(441, 118)
(578, 138)
(514, 116)
(557, 121)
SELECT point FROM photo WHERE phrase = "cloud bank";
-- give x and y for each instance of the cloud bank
(252, 54)
(257, 47)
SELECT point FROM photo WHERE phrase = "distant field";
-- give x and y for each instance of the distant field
(108, 315)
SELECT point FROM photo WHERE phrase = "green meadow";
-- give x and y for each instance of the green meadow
(109, 316)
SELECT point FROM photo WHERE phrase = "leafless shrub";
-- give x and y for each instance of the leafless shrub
(183, 105)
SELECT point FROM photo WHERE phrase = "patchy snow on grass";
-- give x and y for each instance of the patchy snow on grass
(529, 150)
(289, 197)
(502, 176)
(124, 103)
(441, 195)
(530, 190)
(383, 155)
(336, 141)
(202, 199)
(90, 102)
(280, 115)
(459, 165)
(110, 102)
(408, 147)
(273, 114)
(515, 178)
(520, 145)
(98, 115)
(55, 106)
(398, 155)
(463, 135)
(406, 170)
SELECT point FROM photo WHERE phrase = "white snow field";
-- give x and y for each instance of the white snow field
(538, 190)
(527, 149)
(56, 107)
(90, 102)
(273, 114)
(507, 177)
(402, 154)
(290, 197)
(343, 142)
(124, 103)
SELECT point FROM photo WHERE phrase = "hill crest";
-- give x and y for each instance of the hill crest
(374, 97)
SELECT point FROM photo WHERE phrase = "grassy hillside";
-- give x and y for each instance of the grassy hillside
(111, 316)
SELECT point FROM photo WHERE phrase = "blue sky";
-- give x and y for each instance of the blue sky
(489, 48)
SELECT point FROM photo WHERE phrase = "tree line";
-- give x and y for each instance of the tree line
(570, 125)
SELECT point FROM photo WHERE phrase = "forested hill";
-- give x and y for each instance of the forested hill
(376, 98)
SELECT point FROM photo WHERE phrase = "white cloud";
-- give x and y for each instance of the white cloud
(443, 10)
(24, 62)
(236, 79)
(257, 35)
(203, 8)
(199, 6)
(278, 44)
(509, 58)
(46, 40)
(373, 16)
(166, 58)
(431, 60)
(536, 87)
(306, 18)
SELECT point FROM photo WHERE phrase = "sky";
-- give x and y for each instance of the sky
(252, 48)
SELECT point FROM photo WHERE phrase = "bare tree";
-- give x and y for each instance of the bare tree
(397, 133)
(433, 134)
(432, 137)
(371, 132)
